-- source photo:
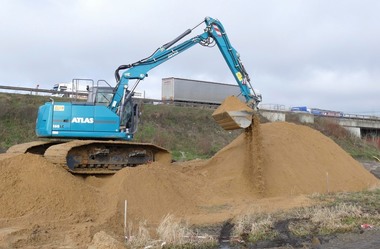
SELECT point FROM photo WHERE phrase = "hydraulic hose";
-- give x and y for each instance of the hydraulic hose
(122, 67)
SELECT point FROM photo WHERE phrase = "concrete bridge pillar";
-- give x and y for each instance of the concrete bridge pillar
(306, 118)
(273, 116)
(354, 131)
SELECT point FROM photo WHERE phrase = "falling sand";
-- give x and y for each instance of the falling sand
(254, 157)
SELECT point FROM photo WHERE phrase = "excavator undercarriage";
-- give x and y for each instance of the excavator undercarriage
(94, 157)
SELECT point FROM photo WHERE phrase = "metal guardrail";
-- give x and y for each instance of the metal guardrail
(358, 116)
(273, 107)
(38, 90)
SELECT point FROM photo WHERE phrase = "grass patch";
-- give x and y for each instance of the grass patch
(368, 200)
(334, 213)
(328, 220)
(18, 115)
(188, 132)
(255, 227)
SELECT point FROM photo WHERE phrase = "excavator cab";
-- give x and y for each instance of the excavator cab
(233, 114)
(100, 95)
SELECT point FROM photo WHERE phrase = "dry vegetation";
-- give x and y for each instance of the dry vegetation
(171, 233)
(332, 214)
(187, 132)
(356, 147)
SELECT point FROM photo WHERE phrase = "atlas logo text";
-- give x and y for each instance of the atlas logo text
(83, 120)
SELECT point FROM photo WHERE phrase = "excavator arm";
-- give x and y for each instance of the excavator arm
(213, 33)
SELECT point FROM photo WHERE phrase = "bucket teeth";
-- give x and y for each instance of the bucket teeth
(233, 114)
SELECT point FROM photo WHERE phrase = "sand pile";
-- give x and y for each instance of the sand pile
(152, 191)
(30, 186)
(295, 160)
(299, 159)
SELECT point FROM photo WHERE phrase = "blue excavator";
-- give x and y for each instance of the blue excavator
(96, 139)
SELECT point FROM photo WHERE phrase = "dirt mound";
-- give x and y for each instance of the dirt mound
(102, 240)
(295, 160)
(299, 160)
(32, 187)
(152, 191)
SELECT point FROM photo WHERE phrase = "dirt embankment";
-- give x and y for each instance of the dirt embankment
(268, 168)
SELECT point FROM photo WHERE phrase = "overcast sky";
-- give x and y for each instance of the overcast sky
(317, 53)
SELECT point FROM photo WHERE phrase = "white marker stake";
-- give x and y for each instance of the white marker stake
(327, 182)
(125, 218)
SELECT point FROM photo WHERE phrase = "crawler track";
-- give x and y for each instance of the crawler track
(94, 156)
(35, 147)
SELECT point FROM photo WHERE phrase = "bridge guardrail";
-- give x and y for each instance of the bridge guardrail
(38, 90)
(273, 107)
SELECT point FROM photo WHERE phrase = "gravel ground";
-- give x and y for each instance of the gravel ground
(373, 167)
(367, 240)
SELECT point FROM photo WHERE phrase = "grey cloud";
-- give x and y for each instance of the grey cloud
(317, 53)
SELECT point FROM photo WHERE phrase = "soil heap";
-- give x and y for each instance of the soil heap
(34, 188)
(152, 191)
(295, 160)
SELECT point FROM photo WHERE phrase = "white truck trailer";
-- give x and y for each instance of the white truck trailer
(74, 89)
(196, 91)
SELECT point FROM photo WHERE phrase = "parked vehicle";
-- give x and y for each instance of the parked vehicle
(72, 89)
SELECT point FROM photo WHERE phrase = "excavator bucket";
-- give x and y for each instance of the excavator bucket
(233, 114)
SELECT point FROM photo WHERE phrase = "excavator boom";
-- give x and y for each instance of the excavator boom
(214, 33)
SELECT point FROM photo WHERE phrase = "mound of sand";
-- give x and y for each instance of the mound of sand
(320, 166)
(152, 191)
(34, 188)
(294, 159)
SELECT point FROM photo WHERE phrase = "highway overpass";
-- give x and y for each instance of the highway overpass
(359, 125)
